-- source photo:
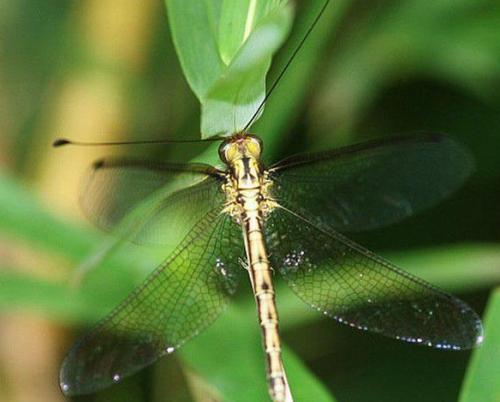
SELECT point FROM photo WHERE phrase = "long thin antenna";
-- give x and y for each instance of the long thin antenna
(64, 141)
(288, 63)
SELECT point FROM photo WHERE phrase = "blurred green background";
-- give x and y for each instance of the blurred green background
(102, 70)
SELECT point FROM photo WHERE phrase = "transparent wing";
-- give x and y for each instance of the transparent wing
(373, 184)
(152, 201)
(179, 299)
(358, 288)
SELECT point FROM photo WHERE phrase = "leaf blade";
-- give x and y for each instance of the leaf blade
(226, 61)
(235, 97)
(197, 49)
(481, 381)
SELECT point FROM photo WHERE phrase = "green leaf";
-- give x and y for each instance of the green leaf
(482, 379)
(238, 19)
(226, 59)
(284, 106)
(198, 49)
(455, 268)
(51, 299)
(23, 217)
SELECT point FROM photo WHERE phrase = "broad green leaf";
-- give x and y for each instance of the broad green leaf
(284, 106)
(23, 217)
(236, 22)
(482, 379)
(226, 60)
(198, 49)
(55, 300)
(238, 19)
(455, 268)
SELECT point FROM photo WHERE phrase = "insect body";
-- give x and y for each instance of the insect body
(247, 191)
(286, 218)
(295, 209)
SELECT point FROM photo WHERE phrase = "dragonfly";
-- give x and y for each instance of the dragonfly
(247, 221)
(288, 218)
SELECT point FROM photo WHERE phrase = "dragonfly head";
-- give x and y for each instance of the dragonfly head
(241, 145)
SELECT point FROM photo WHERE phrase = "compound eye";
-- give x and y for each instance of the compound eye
(228, 151)
(222, 152)
(255, 146)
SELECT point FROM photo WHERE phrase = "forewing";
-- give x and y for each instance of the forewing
(150, 202)
(179, 299)
(373, 184)
(164, 219)
(355, 287)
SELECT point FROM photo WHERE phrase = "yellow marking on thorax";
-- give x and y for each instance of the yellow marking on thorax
(247, 185)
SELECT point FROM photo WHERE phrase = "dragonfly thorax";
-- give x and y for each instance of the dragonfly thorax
(247, 184)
